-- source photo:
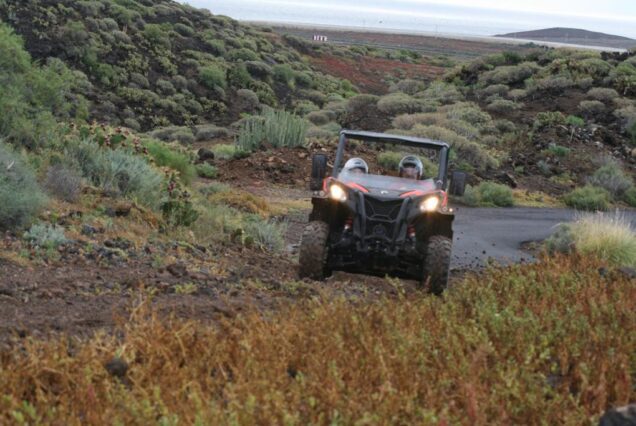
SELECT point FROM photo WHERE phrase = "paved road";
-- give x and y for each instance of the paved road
(484, 233)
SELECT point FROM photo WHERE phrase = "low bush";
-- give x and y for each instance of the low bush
(441, 92)
(503, 106)
(495, 89)
(589, 197)
(63, 183)
(467, 150)
(558, 150)
(408, 86)
(602, 94)
(117, 171)
(165, 156)
(630, 197)
(45, 236)
(488, 194)
(228, 152)
(575, 121)
(20, 196)
(612, 178)
(398, 103)
(509, 74)
(212, 76)
(548, 119)
(276, 128)
(555, 85)
(318, 118)
(208, 132)
(591, 109)
(207, 171)
(247, 100)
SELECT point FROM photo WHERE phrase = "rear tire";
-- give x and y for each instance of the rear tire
(314, 251)
(437, 263)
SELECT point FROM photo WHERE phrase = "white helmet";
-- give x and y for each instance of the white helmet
(357, 164)
(411, 161)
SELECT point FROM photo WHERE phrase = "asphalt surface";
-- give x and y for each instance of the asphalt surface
(498, 234)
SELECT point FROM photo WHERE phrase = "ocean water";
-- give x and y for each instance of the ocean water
(406, 15)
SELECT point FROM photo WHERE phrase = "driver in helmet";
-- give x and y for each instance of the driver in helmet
(411, 167)
(356, 165)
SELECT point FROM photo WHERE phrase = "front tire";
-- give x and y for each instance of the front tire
(437, 263)
(314, 251)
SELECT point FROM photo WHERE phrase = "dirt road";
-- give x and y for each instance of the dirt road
(499, 234)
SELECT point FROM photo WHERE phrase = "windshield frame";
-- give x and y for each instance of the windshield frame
(442, 147)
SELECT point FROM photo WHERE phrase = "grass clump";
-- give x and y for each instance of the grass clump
(275, 128)
(589, 197)
(488, 194)
(21, 198)
(510, 346)
(608, 237)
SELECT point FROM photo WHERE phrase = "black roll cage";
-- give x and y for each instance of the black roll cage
(442, 147)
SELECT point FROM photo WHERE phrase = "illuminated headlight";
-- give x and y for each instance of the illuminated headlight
(430, 204)
(337, 193)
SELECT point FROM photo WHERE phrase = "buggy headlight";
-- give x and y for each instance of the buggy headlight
(430, 204)
(337, 193)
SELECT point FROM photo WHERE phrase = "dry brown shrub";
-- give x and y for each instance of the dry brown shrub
(550, 343)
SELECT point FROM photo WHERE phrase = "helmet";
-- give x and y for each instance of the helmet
(357, 164)
(411, 167)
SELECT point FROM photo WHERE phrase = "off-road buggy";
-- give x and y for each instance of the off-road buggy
(381, 225)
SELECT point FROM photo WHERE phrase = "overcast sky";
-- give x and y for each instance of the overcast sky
(611, 16)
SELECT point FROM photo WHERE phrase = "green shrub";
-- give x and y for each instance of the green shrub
(206, 132)
(495, 89)
(207, 171)
(228, 152)
(398, 103)
(117, 171)
(31, 96)
(157, 36)
(575, 121)
(489, 194)
(408, 86)
(612, 178)
(304, 107)
(591, 109)
(46, 236)
(164, 156)
(63, 183)
(509, 74)
(467, 150)
(588, 198)
(602, 94)
(554, 84)
(548, 119)
(283, 74)
(441, 92)
(277, 128)
(258, 69)
(503, 106)
(242, 54)
(318, 118)
(247, 100)
(20, 196)
(558, 150)
(184, 30)
(212, 76)
(630, 197)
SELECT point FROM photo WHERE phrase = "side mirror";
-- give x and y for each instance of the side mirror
(318, 171)
(457, 184)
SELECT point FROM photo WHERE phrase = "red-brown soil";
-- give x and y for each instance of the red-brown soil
(370, 74)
